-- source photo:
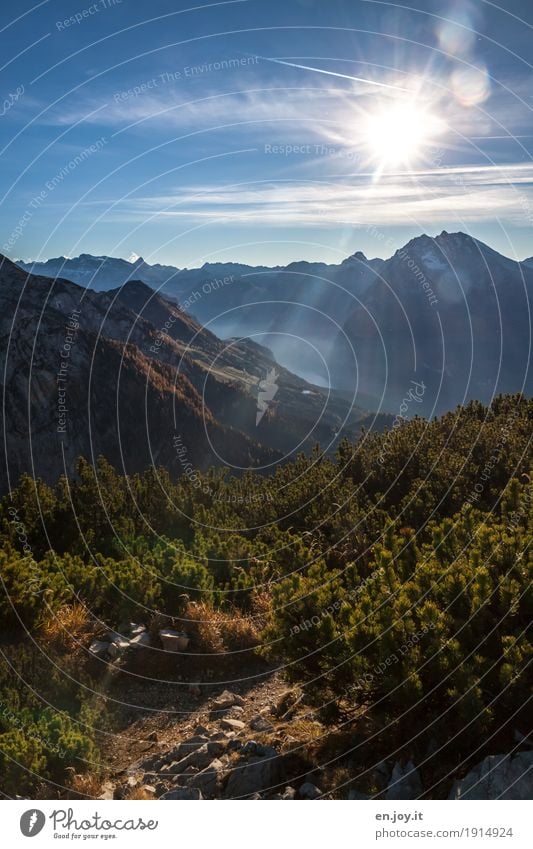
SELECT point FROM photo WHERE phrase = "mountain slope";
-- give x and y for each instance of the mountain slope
(447, 312)
(123, 373)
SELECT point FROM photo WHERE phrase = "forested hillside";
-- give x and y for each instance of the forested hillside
(392, 587)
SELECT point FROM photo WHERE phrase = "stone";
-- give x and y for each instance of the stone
(108, 789)
(259, 723)
(194, 689)
(382, 774)
(208, 780)
(355, 795)
(185, 793)
(215, 748)
(498, 777)
(235, 712)
(309, 791)
(255, 775)
(99, 648)
(149, 789)
(140, 640)
(117, 640)
(227, 700)
(288, 793)
(113, 651)
(232, 724)
(404, 783)
(174, 641)
(135, 629)
(199, 759)
(201, 730)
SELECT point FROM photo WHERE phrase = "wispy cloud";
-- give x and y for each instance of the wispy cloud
(427, 196)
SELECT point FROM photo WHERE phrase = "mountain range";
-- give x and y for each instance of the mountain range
(127, 374)
(449, 313)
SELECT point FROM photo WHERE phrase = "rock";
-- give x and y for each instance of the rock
(175, 754)
(227, 700)
(354, 794)
(113, 651)
(117, 640)
(194, 689)
(235, 712)
(498, 777)
(199, 759)
(215, 748)
(382, 774)
(234, 745)
(201, 730)
(99, 648)
(309, 791)
(149, 789)
(221, 736)
(287, 703)
(521, 738)
(289, 793)
(208, 781)
(404, 782)
(135, 629)
(255, 775)
(174, 641)
(184, 793)
(140, 640)
(259, 723)
(251, 748)
(232, 724)
(108, 789)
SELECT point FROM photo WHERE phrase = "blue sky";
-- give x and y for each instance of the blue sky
(186, 133)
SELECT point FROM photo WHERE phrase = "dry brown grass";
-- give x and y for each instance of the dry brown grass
(138, 794)
(67, 626)
(215, 631)
(86, 785)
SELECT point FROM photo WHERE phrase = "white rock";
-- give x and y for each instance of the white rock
(498, 777)
(232, 724)
(227, 700)
(173, 640)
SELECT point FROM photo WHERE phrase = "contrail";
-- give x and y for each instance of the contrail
(336, 74)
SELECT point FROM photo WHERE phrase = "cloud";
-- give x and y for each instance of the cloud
(427, 196)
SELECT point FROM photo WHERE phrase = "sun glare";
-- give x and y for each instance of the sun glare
(398, 134)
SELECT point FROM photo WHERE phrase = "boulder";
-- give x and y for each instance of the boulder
(149, 789)
(498, 777)
(289, 793)
(309, 791)
(99, 648)
(259, 723)
(227, 700)
(254, 775)
(232, 724)
(108, 789)
(184, 793)
(404, 782)
(140, 640)
(173, 640)
(354, 794)
(208, 780)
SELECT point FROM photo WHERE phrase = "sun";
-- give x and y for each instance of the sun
(399, 133)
